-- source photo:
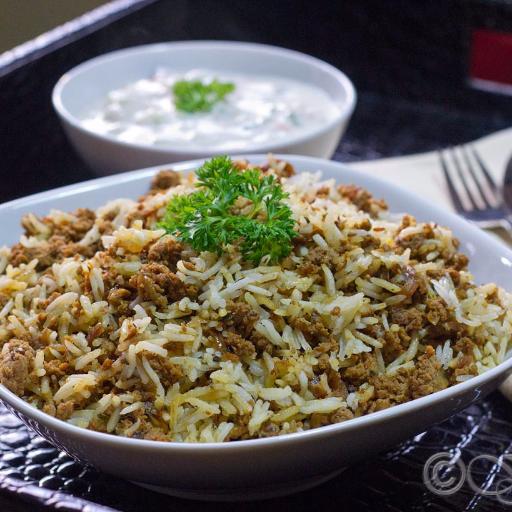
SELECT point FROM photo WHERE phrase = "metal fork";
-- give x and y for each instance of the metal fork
(472, 189)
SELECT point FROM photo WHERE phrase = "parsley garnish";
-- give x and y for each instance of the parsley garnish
(206, 219)
(196, 96)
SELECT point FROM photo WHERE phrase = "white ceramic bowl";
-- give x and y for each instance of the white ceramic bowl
(277, 465)
(87, 84)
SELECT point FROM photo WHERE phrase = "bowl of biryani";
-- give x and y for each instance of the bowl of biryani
(246, 330)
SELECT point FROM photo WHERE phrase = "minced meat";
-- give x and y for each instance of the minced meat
(362, 199)
(240, 318)
(238, 345)
(16, 363)
(314, 331)
(61, 243)
(167, 251)
(164, 180)
(155, 282)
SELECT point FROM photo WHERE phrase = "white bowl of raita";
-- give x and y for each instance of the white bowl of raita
(161, 103)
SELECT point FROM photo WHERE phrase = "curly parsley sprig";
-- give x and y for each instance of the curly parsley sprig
(205, 219)
(195, 96)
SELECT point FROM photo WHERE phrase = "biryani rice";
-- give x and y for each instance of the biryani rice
(136, 334)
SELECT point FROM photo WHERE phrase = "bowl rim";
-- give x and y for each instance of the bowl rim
(346, 108)
(373, 419)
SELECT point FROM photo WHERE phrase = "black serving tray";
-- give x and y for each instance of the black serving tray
(409, 62)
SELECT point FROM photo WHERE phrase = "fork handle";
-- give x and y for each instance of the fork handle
(507, 224)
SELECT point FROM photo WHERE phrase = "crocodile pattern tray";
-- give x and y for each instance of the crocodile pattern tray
(410, 71)
(37, 472)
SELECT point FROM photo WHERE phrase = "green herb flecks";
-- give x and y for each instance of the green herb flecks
(195, 96)
(206, 219)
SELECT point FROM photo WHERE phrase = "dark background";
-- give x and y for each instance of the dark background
(409, 60)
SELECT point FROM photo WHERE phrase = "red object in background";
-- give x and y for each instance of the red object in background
(491, 57)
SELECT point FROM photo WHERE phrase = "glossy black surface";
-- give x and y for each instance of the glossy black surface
(408, 59)
(391, 482)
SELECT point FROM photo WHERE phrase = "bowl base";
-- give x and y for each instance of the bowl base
(243, 493)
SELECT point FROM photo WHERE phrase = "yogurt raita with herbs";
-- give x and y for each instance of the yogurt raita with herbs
(249, 111)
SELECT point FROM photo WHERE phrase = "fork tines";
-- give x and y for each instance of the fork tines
(471, 186)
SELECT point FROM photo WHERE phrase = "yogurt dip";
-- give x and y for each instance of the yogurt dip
(261, 109)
